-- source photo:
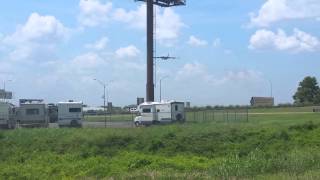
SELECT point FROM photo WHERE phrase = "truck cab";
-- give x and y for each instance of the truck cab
(70, 114)
(160, 113)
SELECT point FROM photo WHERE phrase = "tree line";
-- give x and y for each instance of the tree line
(308, 92)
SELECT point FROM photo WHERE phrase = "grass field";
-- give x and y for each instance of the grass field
(269, 146)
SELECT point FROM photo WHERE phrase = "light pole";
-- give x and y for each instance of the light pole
(4, 88)
(271, 88)
(161, 86)
(104, 100)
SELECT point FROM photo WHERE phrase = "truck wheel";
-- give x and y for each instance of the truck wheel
(179, 118)
(137, 123)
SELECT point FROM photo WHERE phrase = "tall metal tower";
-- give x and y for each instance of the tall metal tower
(150, 48)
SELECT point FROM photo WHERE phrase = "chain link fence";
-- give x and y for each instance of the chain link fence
(192, 116)
(218, 115)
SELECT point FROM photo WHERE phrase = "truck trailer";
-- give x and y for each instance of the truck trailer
(160, 113)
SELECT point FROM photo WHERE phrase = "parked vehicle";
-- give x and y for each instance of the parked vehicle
(160, 113)
(70, 114)
(32, 113)
(53, 113)
(7, 116)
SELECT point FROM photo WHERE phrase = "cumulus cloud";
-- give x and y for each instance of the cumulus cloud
(299, 41)
(93, 12)
(127, 52)
(169, 23)
(88, 61)
(194, 41)
(37, 38)
(135, 18)
(99, 45)
(199, 73)
(277, 10)
(44, 29)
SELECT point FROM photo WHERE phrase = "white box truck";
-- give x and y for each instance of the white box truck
(7, 116)
(160, 113)
(70, 114)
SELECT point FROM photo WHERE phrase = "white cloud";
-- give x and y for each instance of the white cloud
(37, 38)
(127, 52)
(135, 18)
(277, 10)
(299, 41)
(194, 41)
(93, 12)
(88, 61)
(40, 29)
(99, 45)
(217, 42)
(169, 23)
(196, 72)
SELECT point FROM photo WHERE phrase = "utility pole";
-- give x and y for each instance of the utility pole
(150, 40)
(4, 89)
(271, 88)
(104, 101)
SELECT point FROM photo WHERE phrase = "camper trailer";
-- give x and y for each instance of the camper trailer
(70, 114)
(32, 113)
(160, 113)
(7, 120)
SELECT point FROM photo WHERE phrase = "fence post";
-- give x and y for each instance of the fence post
(213, 115)
(228, 115)
(247, 114)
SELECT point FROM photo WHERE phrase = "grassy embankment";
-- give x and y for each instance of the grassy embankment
(277, 146)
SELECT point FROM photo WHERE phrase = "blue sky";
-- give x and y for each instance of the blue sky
(228, 50)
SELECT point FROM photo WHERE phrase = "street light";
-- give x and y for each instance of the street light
(271, 88)
(4, 88)
(104, 100)
(161, 86)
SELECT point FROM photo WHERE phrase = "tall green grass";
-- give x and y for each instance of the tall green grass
(277, 147)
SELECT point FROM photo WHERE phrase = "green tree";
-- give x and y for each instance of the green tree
(308, 92)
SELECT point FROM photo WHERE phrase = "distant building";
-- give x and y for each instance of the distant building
(5, 94)
(262, 101)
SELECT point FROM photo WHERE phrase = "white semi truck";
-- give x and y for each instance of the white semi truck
(7, 118)
(70, 114)
(160, 113)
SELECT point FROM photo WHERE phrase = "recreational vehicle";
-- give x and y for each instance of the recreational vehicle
(32, 113)
(160, 113)
(7, 119)
(70, 114)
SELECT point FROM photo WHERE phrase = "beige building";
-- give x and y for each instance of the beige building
(262, 101)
